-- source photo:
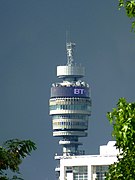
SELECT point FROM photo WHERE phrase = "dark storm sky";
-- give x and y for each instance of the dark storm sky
(32, 44)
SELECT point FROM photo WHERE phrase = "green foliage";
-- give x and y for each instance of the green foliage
(123, 120)
(129, 6)
(11, 154)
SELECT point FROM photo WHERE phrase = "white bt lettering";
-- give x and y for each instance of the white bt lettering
(78, 91)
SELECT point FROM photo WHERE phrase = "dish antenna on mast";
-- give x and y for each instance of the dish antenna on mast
(70, 49)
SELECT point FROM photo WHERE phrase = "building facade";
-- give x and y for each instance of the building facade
(87, 167)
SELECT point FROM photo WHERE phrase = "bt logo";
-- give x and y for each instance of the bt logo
(78, 91)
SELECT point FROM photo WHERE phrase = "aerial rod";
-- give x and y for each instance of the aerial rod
(70, 49)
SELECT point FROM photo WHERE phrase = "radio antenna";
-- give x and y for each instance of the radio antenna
(70, 49)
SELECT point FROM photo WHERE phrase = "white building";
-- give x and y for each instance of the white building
(87, 167)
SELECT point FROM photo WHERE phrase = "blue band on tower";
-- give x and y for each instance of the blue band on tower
(69, 92)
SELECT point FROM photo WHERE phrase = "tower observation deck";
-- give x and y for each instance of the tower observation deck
(70, 105)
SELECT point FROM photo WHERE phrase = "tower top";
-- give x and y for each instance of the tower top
(71, 69)
(70, 49)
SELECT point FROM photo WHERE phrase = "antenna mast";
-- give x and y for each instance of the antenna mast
(70, 49)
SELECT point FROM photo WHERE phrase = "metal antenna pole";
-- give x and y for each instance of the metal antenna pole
(70, 47)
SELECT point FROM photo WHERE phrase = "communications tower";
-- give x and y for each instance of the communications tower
(70, 105)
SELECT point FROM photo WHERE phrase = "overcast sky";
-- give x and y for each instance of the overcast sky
(32, 44)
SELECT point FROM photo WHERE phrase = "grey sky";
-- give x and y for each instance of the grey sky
(32, 44)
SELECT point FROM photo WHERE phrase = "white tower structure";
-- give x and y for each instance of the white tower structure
(70, 105)
(70, 108)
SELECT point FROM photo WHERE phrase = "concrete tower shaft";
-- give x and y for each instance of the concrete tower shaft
(70, 105)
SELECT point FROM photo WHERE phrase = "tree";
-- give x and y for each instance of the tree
(123, 120)
(11, 154)
(129, 6)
